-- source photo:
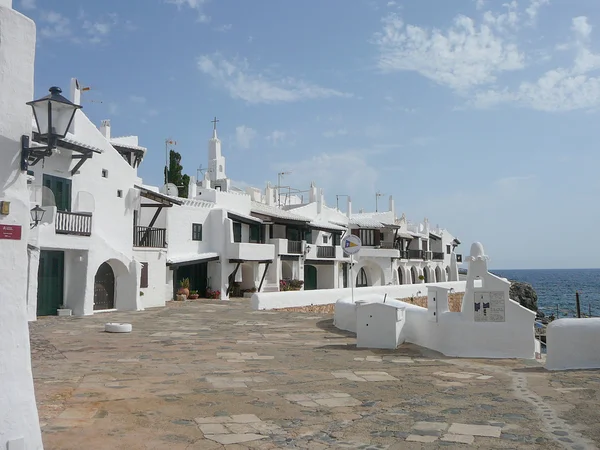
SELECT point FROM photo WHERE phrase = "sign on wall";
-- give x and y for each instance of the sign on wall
(12, 232)
(490, 306)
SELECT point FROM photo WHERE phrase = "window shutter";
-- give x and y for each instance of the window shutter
(377, 238)
(356, 232)
(144, 277)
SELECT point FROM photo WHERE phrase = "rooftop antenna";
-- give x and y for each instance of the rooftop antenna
(87, 89)
(377, 195)
(280, 175)
(168, 142)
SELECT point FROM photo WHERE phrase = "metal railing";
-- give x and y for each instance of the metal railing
(427, 256)
(415, 254)
(150, 237)
(73, 223)
(325, 252)
(438, 256)
(294, 247)
(403, 254)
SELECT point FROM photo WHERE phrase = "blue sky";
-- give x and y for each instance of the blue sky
(480, 115)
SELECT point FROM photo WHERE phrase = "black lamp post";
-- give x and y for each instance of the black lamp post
(37, 214)
(53, 116)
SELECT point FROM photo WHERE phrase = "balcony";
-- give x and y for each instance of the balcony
(403, 254)
(325, 252)
(73, 223)
(379, 252)
(415, 254)
(438, 256)
(245, 251)
(294, 247)
(149, 237)
(427, 256)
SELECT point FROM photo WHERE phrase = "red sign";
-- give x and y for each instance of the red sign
(10, 232)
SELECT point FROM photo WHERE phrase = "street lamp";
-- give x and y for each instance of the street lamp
(53, 116)
(37, 214)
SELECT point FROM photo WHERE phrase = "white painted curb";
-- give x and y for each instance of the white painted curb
(118, 327)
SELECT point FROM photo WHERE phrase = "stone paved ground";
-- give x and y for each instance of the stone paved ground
(200, 375)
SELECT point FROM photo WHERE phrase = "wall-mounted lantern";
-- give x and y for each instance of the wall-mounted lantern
(53, 116)
(37, 214)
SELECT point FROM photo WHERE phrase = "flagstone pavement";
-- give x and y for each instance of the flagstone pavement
(209, 375)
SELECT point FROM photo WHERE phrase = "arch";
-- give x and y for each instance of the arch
(310, 277)
(400, 276)
(447, 273)
(414, 275)
(361, 279)
(104, 288)
(426, 278)
(438, 275)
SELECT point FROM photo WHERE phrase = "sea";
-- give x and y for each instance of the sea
(556, 289)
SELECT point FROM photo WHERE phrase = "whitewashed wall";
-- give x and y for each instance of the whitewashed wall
(156, 293)
(19, 422)
(274, 300)
(573, 344)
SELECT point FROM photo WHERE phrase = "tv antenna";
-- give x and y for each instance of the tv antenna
(87, 89)
(280, 175)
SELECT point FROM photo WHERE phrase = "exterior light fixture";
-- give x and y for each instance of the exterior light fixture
(53, 116)
(37, 214)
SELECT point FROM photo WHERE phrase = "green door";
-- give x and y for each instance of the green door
(310, 278)
(61, 188)
(198, 275)
(50, 282)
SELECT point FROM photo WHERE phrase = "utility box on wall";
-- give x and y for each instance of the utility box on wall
(379, 325)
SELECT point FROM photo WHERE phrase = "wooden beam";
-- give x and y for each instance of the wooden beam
(263, 277)
(232, 278)
(145, 236)
(82, 160)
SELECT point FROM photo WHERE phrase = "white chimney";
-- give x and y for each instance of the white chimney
(392, 207)
(105, 129)
(312, 196)
(269, 197)
(320, 201)
(6, 3)
(75, 98)
(192, 186)
(349, 212)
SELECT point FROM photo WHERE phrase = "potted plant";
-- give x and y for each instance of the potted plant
(193, 295)
(421, 277)
(184, 287)
(296, 285)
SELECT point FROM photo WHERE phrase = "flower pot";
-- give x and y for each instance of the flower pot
(184, 291)
(180, 297)
(194, 297)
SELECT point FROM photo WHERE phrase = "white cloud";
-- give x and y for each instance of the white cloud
(224, 28)
(28, 4)
(244, 136)
(137, 99)
(276, 137)
(559, 89)
(236, 77)
(334, 133)
(479, 4)
(54, 25)
(463, 56)
(534, 8)
(194, 4)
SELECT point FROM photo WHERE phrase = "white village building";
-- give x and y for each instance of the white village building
(109, 242)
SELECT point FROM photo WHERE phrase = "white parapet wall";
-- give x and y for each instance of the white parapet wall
(573, 344)
(490, 325)
(290, 299)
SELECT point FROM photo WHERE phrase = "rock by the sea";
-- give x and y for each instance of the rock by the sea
(524, 294)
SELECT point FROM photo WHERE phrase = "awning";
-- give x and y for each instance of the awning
(435, 237)
(188, 260)
(69, 143)
(405, 235)
(323, 226)
(456, 241)
(164, 200)
(243, 218)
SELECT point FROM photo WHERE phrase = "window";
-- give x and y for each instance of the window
(237, 232)
(255, 233)
(325, 239)
(104, 173)
(61, 188)
(448, 250)
(144, 277)
(308, 236)
(196, 232)
(119, 193)
(369, 238)
(337, 239)
(425, 246)
(361, 278)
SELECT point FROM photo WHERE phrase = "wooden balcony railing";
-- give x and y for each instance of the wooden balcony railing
(325, 252)
(295, 247)
(415, 254)
(150, 237)
(73, 223)
(438, 256)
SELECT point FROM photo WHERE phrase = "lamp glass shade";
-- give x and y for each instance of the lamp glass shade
(53, 114)
(37, 214)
